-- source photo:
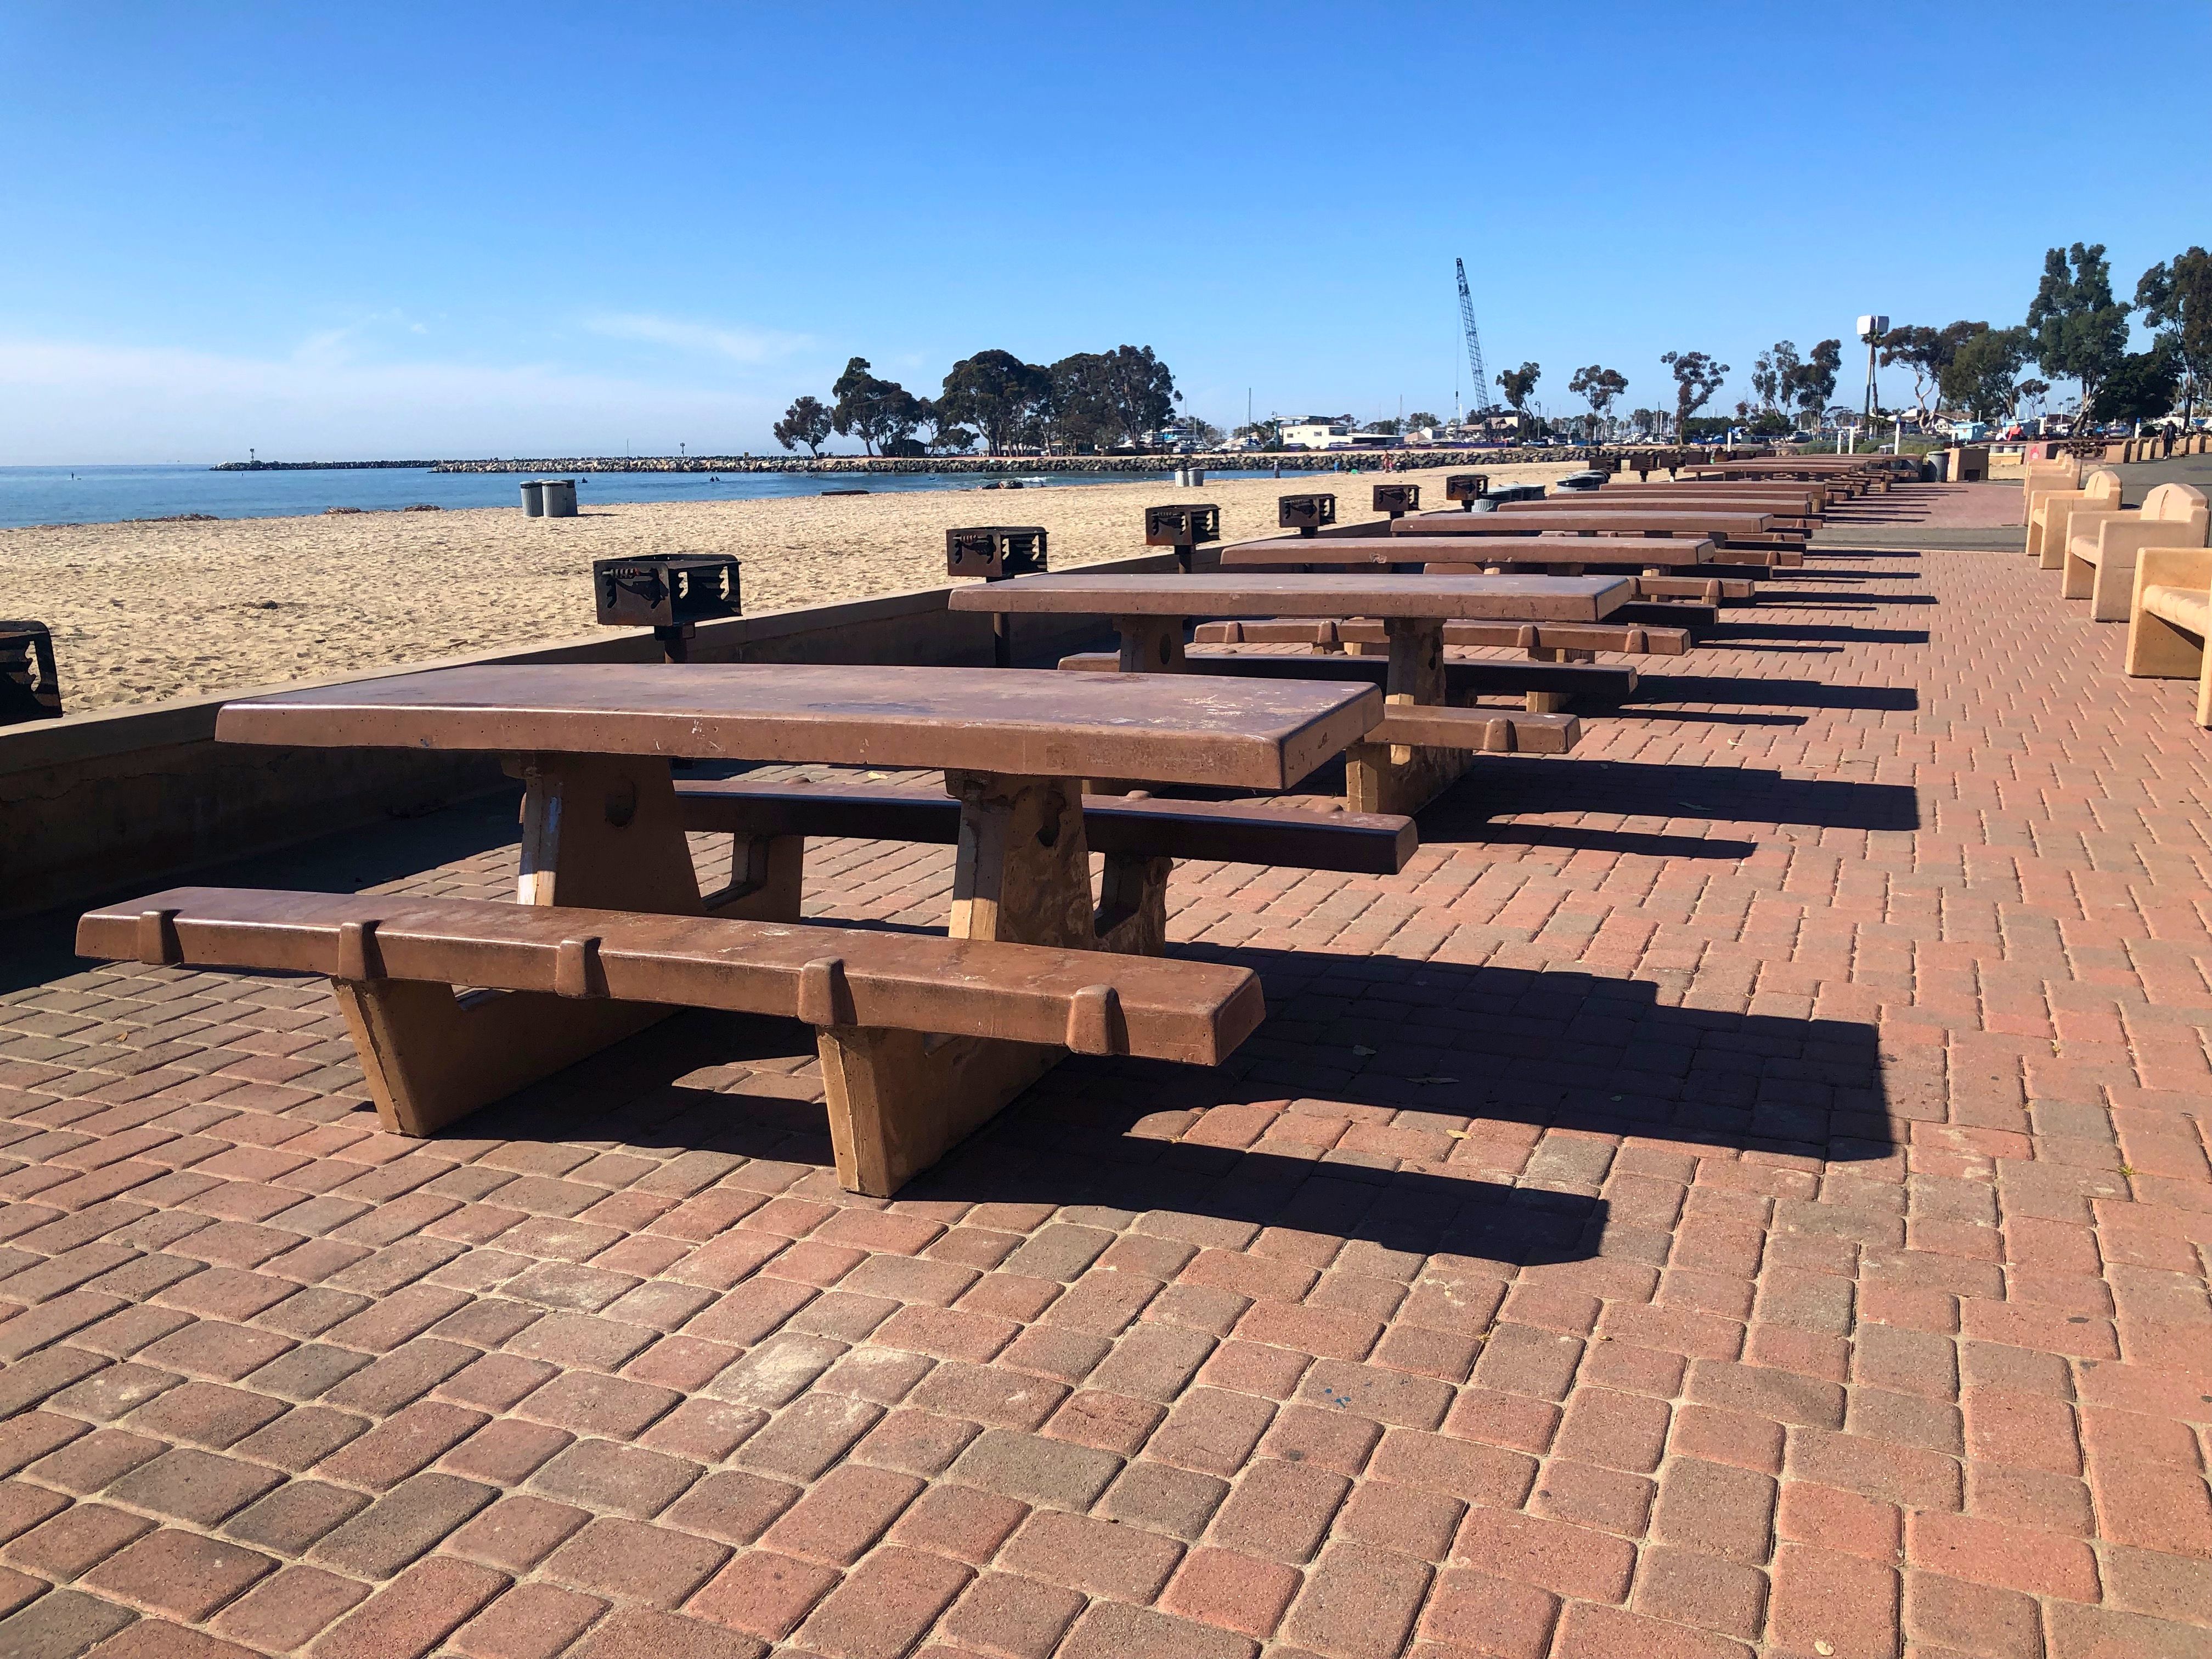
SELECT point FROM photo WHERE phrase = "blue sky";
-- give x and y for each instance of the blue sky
(468, 230)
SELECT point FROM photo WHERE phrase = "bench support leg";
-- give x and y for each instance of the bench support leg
(2111, 589)
(899, 1100)
(1397, 777)
(2079, 576)
(430, 1058)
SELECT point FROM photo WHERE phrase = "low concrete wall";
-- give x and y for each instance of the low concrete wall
(101, 805)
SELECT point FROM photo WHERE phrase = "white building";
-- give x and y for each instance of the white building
(1319, 432)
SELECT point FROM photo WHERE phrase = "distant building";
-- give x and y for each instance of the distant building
(1320, 432)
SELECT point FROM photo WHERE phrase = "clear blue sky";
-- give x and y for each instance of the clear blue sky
(400, 229)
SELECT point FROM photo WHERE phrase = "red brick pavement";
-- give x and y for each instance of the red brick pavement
(1743, 1188)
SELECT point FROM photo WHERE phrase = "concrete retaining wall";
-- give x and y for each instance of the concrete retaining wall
(101, 805)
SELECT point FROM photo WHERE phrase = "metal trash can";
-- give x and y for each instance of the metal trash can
(533, 498)
(559, 498)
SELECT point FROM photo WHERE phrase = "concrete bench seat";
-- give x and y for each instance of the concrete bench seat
(1118, 826)
(852, 985)
(1634, 639)
(2047, 521)
(2169, 620)
(2102, 547)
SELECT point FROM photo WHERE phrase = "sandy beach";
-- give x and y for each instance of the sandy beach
(141, 612)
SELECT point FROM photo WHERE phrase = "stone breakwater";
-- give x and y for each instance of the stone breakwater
(1292, 461)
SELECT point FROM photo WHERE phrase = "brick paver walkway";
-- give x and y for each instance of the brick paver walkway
(1743, 1188)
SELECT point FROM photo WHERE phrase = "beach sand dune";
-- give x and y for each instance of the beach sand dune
(141, 612)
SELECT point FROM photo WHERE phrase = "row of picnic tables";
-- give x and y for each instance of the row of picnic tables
(923, 1037)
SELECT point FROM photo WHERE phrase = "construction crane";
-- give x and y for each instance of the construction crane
(1474, 342)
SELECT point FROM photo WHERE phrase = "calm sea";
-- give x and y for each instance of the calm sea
(108, 495)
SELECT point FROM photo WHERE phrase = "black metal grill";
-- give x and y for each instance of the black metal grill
(29, 688)
(669, 592)
(996, 551)
(1397, 500)
(1305, 514)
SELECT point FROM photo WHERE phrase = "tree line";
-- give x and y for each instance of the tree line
(1092, 401)
(2075, 329)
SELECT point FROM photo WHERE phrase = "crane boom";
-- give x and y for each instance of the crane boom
(1473, 341)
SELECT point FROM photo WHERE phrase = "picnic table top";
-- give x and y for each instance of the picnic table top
(1180, 729)
(1379, 550)
(1504, 598)
(1698, 521)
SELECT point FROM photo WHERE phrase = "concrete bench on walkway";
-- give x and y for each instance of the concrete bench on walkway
(1532, 637)
(2171, 618)
(862, 985)
(2101, 548)
(1120, 826)
(2047, 525)
(2039, 479)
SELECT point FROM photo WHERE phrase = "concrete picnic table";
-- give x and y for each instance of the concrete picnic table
(1574, 518)
(1657, 561)
(602, 829)
(1394, 771)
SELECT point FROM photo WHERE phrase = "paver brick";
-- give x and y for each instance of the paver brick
(635, 1561)
(1357, 1602)
(762, 1592)
(1009, 1617)
(177, 1573)
(884, 1605)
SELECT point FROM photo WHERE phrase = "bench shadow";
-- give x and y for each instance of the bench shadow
(1779, 694)
(1837, 633)
(1504, 785)
(1425, 1055)
(1815, 599)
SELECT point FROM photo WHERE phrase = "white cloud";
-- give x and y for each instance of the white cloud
(66, 401)
(743, 345)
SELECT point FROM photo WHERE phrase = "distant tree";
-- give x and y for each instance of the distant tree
(2176, 299)
(1928, 353)
(1597, 386)
(2080, 332)
(1518, 383)
(2140, 386)
(1387, 427)
(1203, 435)
(1103, 398)
(1978, 379)
(1771, 374)
(1420, 418)
(2034, 391)
(806, 421)
(1810, 384)
(1697, 378)
(994, 391)
(1266, 434)
(1143, 391)
(951, 440)
(877, 411)
(1645, 420)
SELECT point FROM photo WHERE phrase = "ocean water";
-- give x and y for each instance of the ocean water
(109, 495)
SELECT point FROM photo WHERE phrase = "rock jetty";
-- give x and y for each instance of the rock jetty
(1366, 460)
